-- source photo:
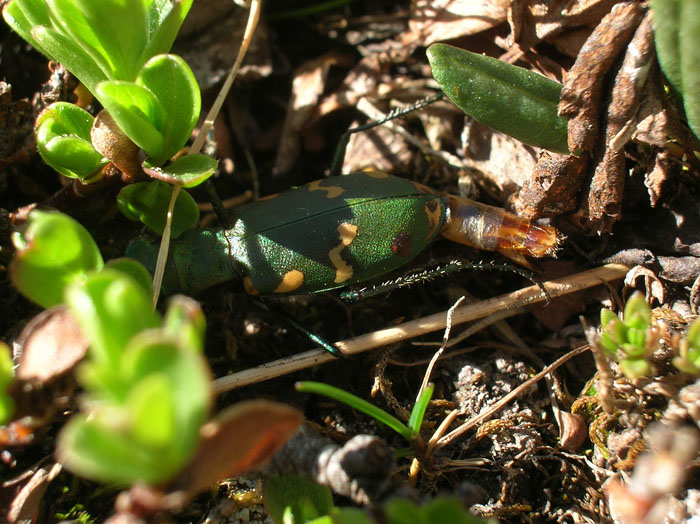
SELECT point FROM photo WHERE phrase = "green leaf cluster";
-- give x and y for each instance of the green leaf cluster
(689, 358)
(630, 340)
(118, 50)
(147, 385)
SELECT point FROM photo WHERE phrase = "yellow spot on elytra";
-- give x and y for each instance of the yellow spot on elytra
(331, 191)
(343, 270)
(291, 281)
(249, 286)
(375, 174)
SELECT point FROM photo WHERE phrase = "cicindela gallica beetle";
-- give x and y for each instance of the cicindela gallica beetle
(338, 231)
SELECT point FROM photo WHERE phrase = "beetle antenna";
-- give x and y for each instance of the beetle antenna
(398, 112)
(430, 273)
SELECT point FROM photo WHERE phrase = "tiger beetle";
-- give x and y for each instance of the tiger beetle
(339, 231)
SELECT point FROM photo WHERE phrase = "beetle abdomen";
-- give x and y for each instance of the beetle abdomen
(333, 232)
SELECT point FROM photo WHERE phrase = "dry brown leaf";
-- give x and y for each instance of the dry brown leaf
(51, 344)
(505, 161)
(239, 439)
(25, 505)
(307, 86)
(439, 20)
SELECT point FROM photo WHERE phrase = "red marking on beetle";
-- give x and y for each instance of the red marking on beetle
(402, 245)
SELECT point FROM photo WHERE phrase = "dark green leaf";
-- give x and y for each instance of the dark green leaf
(148, 202)
(507, 98)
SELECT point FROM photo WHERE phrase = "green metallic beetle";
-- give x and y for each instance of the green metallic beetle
(338, 231)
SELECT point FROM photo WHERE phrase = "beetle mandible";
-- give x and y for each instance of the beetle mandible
(338, 231)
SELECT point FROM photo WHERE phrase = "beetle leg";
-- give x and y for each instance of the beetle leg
(486, 227)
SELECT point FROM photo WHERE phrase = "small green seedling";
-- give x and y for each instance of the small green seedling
(632, 339)
(410, 431)
(688, 360)
(507, 98)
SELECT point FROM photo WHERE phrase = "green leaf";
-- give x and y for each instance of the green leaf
(186, 171)
(150, 404)
(609, 344)
(301, 498)
(171, 80)
(507, 98)
(137, 112)
(69, 20)
(418, 412)
(449, 509)
(116, 30)
(23, 15)
(111, 308)
(637, 313)
(100, 453)
(53, 251)
(687, 365)
(635, 368)
(185, 322)
(666, 37)
(357, 403)
(86, 68)
(637, 337)
(689, 36)
(614, 328)
(148, 202)
(63, 140)
(635, 351)
(154, 352)
(7, 375)
(135, 270)
(166, 18)
(693, 335)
